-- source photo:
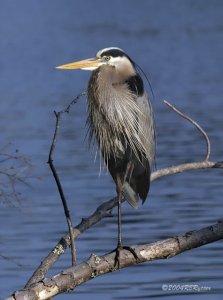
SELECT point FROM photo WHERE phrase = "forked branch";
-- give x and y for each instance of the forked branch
(96, 265)
(104, 209)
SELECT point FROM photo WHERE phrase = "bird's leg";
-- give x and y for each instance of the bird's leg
(119, 194)
(119, 188)
(119, 185)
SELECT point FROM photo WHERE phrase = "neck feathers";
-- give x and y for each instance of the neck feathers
(114, 114)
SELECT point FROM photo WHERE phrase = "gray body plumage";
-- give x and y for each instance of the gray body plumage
(120, 119)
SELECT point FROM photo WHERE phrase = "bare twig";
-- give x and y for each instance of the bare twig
(100, 265)
(14, 169)
(196, 125)
(60, 189)
(74, 101)
(56, 177)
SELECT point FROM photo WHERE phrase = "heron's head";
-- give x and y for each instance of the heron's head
(113, 57)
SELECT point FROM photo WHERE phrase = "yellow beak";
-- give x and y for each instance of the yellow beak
(90, 63)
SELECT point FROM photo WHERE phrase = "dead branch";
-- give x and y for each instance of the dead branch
(14, 170)
(196, 125)
(186, 167)
(99, 265)
(104, 209)
(56, 177)
(38, 288)
(60, 189)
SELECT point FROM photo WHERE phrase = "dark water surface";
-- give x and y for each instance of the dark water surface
(179, 44)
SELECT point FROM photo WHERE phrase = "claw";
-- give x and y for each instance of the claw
(117, 256)
(131, 250)
(119, 248)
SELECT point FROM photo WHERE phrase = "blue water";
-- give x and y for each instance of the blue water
(179, 44)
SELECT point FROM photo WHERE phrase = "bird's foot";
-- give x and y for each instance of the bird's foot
(119, 248)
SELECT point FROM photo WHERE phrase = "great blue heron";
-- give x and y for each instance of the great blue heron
(120, 119)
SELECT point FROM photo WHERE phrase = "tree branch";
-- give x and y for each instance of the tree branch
(196, 125)
(37, 288)
(104, 209)
(56, 177)
(14, 170)
(99, 265)
(186, 167)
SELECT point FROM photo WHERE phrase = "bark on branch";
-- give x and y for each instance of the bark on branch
(99, 265)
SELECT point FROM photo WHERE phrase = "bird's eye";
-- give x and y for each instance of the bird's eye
(107, 58)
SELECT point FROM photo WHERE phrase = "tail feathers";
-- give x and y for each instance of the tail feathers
(136, 189)
(130, 195)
